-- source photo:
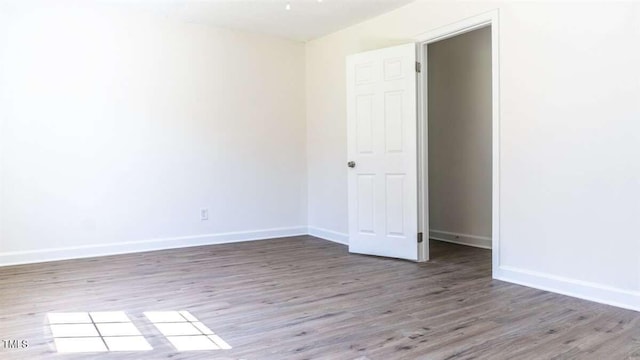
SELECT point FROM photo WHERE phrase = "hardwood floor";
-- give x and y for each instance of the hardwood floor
(306, 298)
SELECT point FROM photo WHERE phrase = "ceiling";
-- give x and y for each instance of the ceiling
(306, 19)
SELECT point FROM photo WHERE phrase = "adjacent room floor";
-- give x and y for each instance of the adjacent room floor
(302, 298)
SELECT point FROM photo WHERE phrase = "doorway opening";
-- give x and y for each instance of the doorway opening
(458, 133)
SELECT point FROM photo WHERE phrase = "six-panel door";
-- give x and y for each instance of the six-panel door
(382, 137)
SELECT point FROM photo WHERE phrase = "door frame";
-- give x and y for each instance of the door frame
(490, 18)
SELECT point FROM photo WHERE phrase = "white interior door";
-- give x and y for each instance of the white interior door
(382, 137)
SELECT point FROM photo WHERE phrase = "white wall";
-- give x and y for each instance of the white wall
(117, 127)
(570, 104)
(460, 129)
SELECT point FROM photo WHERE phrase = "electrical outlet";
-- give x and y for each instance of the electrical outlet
(204, 214)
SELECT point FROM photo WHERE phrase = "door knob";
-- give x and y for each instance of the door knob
(351, 164)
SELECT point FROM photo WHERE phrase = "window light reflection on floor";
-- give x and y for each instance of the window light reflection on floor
(185, 331)
(95, 332)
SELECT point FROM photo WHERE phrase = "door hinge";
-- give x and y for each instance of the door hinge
(418, 67)
(419, 237)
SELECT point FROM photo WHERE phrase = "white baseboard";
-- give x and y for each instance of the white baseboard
(77, 252)
(580, 289)
(462, 239)
(337, 237)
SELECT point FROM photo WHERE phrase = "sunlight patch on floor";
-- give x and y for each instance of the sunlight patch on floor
(95, 332)
(113, 331)
(185, 331)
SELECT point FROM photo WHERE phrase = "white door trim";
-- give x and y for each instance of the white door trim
(490, 18)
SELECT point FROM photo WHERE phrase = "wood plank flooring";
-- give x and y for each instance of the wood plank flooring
(306, 298)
